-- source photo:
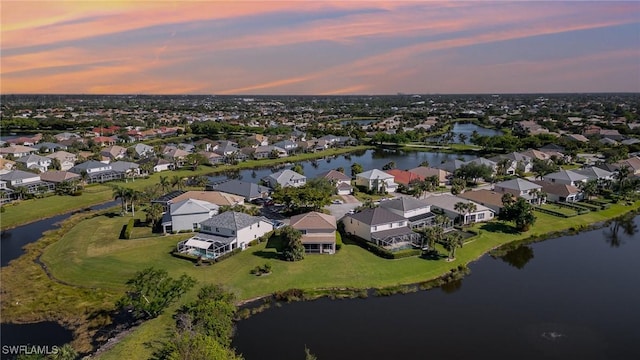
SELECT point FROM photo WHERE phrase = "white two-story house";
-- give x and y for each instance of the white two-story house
(381, 227)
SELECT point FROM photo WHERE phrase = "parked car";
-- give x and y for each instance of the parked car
(278, 224)
(337, 202)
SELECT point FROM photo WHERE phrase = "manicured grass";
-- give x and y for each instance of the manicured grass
(559, 209)
(32, 210)
(26, 211)
(91, 255)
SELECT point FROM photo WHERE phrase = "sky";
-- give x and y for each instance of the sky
(318, 47)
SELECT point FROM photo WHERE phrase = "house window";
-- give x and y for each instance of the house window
(375, 228)
(303, 232)
(233, 232)
(258, 224)
(195, 226)
(217, 230)
(480, 216)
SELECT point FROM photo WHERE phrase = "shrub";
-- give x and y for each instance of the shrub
(228, 255)
(129, 228)
(338, 241)
(289, 295)
(380, 251)
(406, 253)
(2, 209)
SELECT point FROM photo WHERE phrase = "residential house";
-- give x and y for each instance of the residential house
(17, 151)
(142, 151)
(536, 154)
(35, 162)
(404, 177)
(516, 161)
(49, 147)
(576, 137)
(596, 173)
(28, 180)
(226, 148)
(612, 134)
(6, 165)
(266, 152)
(341, 181)
(55, 176)
(158, 164)
(224, 233)
(258, 140)
(114, 152)
(66, 136)
(66, 159)
(484, 197)
(450, 166)
(206, 144)
(96, 172)
(175, 155)
(417, 212)
(427, 172)
(212, 157)
(285, 178)
(520, 188)
(381, 227)
(633, 163)
(318, 232)
(215, 197)
(567, 177)
(249, 191)
(493, 165)
(288, 145)
(130, 169)
(104, 140)
(558, 192)
(376, 180)
(187, 214)
(447, 204)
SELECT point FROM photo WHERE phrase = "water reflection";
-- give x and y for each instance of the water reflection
(612, 234)
(451, 286)
(518, 257)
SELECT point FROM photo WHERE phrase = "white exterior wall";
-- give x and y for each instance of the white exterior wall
(185, 222)
(25, 181)
(416, 212)
(66, 165)
(100, 169)
(253, 232)
(163, 167)
(355, 227)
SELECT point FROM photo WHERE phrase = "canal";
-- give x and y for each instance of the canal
(573, 297)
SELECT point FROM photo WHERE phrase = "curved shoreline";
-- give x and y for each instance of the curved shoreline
(329, 292)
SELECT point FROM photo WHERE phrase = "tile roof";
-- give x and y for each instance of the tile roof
(483, 197)
(334, 175)
(557, 189)
(58, 176)
(404, 177)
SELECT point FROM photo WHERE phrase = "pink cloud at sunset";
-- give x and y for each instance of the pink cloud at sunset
(318, 47)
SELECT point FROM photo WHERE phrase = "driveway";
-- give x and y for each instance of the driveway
(350, 199)
(339, 210)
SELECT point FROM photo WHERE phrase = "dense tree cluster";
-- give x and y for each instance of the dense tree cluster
(519, 211)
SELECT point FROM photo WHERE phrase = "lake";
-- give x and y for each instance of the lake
(573, 297)
(369, 159)
(468, 129)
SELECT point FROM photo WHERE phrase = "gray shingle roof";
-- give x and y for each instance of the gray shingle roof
(594, 172)
(518, 184)
(18, 175)
(404, 204)
(192, 206)
(242, 188)
(232, 220)
(376, 216)
(375, 174)
(566, 175)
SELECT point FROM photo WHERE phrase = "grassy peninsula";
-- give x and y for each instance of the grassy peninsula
(90, 265)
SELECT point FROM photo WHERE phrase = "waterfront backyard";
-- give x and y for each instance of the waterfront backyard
(96, 263)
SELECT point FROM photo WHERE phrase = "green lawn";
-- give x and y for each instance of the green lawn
(91, 255)
(27, 211)
(559, 209)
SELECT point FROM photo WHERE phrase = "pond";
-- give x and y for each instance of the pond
(573, 297)
(468, 129)
(369, 159)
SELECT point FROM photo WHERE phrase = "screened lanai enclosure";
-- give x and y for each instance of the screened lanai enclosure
(207, 246)
(397, 239)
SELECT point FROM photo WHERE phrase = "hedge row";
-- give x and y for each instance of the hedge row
(580, 209)
(382, 252)
(552, 212)
(129, 228)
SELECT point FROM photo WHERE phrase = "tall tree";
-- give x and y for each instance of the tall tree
(293, 248)
(453, 241)
(164, 183)
(121, 193)
(356, 169)
(151, 290)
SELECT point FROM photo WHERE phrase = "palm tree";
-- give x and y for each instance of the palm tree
(461, 208)
(122, 194)
(177, 182)
(471, 208)
(452, 242)
(21, 192)
(164, 183)
(442, 220)
(589, 188)
(134, 196)
(154, 214)
(462, 138)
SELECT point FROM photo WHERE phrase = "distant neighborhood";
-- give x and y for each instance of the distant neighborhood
(554, 154)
